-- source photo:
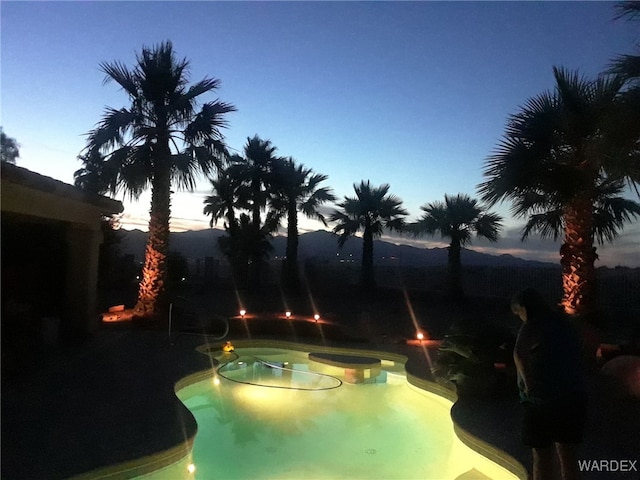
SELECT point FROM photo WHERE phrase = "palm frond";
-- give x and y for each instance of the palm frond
(548, 225)
(628, 8)
(119, 73)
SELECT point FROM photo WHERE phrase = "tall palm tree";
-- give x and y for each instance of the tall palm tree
(297, 188)
(245, 245)
(457, 218)
(160, 140)
(563, 162)
(225, 199)
(255, 171)
(9, 148)
(372, 210)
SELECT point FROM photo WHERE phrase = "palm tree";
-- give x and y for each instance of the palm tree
(245, 245)
(563, 162)
(457, 218)
(225, 199)
(9, 148)
(297, 188)
(160, 140)
(372, 210)
(254, 170)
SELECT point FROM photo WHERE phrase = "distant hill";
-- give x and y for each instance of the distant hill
(322, 246)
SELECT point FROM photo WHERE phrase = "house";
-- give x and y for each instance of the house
(51, 235)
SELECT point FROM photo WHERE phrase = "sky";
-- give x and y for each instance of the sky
(413, 94)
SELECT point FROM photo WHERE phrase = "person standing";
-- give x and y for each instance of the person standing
(548, 358)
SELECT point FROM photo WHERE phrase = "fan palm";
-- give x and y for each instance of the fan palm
(254, 170)
(372, 210)
(562, 162)
(457, 218)
(159, 140)
(225, 199)
(244, 245)
(297, 188)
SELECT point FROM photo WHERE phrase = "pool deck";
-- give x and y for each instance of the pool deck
(111, 400)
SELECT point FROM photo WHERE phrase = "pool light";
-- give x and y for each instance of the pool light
(191, 468)
(216, 381)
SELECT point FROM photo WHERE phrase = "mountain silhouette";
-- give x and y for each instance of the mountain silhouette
(321, 246)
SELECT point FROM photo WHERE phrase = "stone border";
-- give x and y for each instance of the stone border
(141, 466)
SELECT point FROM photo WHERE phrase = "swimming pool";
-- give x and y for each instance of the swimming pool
(274, 413)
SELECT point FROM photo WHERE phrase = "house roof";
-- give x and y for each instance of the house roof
(19, 176)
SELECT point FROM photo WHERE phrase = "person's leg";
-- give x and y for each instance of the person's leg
(568, 433)
(568, 461)
(543, 463)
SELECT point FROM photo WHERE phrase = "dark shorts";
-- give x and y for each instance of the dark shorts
(560, 421)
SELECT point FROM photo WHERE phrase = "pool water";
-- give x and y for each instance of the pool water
(276, 414)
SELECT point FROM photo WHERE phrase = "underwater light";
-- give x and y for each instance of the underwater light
(191, 468)
(216, 381)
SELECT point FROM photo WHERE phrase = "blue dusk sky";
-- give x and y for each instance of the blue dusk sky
(412, 94)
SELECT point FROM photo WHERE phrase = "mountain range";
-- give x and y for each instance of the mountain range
(321, 245)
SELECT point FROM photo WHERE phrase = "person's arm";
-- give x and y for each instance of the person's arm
(526, 343)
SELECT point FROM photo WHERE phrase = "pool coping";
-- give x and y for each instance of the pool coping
(180, 452)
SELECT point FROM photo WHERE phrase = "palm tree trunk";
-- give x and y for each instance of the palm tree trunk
(577, 257)
(455, 283)
(291, 261)
(368, 279)
(154, 273)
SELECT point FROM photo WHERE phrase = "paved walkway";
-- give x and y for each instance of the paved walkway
(111, 400)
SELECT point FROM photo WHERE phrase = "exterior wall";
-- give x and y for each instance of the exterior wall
(30, 197)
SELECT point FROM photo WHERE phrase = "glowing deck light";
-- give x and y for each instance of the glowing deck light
(191, 468)
(287, 314)
(243, 313)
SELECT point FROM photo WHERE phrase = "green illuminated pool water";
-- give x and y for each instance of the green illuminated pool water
(276, 414)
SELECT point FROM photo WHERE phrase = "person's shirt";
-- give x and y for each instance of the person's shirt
(548, 354)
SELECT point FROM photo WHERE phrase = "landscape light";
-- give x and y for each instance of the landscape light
(287, 314)
(243, 313)
(420, 336)
(316, 317)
